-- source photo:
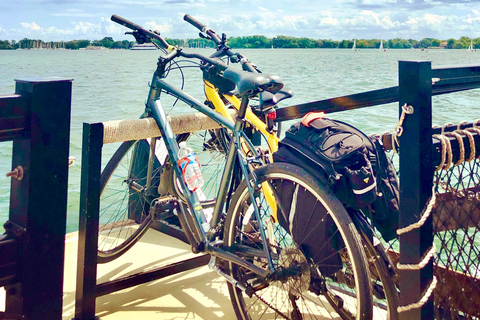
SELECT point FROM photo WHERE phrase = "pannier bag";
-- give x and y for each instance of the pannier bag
(355, 168)
(335, 152)
(309, 235)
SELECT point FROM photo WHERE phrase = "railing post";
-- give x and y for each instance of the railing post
(38, 201)
(416, 179)
(85, 293)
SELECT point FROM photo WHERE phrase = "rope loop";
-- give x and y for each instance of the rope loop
(398, 131)
(446, 152)
(422, 263)
(471, 142)
(459, 138)
(423, 300)
(445, 126)
(423, 218)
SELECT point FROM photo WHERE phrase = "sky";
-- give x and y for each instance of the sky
(63, 20)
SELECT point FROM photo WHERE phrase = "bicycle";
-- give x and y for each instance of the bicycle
(213, 142)
(248, 246)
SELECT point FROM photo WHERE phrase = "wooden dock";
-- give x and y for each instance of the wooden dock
(196, 294)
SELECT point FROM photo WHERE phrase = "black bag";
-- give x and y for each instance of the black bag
(385, 210)
(309, 235)
(356, 169)
(335, 152)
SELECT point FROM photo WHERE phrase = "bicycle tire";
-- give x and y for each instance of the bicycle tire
(349, 300)
(124, 212)
(385, 291)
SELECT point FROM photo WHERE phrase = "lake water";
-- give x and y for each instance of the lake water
(112, 85)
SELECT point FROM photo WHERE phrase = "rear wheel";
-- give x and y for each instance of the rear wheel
(382, 278)
(320, 268)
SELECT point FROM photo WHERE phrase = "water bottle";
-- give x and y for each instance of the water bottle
(192, 175)
(188, 162)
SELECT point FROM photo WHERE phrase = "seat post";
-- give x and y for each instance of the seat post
(243, 107)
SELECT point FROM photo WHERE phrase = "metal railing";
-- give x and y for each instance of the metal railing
(37, 119)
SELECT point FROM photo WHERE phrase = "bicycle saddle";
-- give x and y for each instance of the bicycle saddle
(268, 100)
(253, 83)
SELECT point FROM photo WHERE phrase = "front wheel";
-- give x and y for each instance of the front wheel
(319, 266)
(125, 199)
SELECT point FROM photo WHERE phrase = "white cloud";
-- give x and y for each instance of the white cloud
(336, 20)
(84, 28)
(431, 22)
(162, 28)
(376, 2)
(32, 26)
(367, 18)
(328, 21)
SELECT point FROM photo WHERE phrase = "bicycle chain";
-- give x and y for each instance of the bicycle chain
(271, 307)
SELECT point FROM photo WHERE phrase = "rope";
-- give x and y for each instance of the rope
(455, 134)
(398, 131)
(422, 220)
(446, 152)
(444, 144)
(446, 162)
(422, 301)
(421, 264)
(471, 141)
(474, 130)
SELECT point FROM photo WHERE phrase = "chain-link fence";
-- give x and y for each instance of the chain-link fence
(456, 224)
(456, 228)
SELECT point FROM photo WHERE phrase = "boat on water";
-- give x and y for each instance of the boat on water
(381, 46)
(470, 48)
(354, 48)
(95, 48)
(145, 46)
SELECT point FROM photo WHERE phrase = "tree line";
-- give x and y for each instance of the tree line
(255, 41)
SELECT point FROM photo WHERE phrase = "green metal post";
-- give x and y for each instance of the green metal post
(416, 179)
(38, 201)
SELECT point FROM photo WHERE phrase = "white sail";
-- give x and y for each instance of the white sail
(354, 48)
(470, 48)
(381, 45)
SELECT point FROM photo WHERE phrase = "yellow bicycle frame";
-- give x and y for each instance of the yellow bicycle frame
(212, 94)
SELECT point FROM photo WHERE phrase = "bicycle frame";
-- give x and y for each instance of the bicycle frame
(190, 219)
(214, 97)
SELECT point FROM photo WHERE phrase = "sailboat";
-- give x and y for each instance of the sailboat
(381, 46)
(470, 48)
(354, 48)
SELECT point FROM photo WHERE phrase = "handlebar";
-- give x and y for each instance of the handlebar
(135, 27)
(197, 24)
(173, 51)
(203, 28)
(223, 49)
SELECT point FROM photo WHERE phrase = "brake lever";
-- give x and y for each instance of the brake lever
(201, 35)
(140, 37)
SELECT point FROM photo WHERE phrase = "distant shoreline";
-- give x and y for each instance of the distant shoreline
(254, 42)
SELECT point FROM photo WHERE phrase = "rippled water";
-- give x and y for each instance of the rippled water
(112, 85)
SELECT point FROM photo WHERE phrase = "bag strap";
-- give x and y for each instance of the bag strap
(311, 116)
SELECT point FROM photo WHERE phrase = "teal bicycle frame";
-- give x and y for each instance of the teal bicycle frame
(199, 240)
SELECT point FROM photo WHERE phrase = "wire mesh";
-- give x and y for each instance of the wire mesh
(457, 238)
(456, 226)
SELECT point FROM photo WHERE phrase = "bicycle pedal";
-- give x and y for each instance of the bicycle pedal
(164, 199)
(161, 204)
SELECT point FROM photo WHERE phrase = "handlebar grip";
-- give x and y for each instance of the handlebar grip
(124, 22)
(200, 26)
